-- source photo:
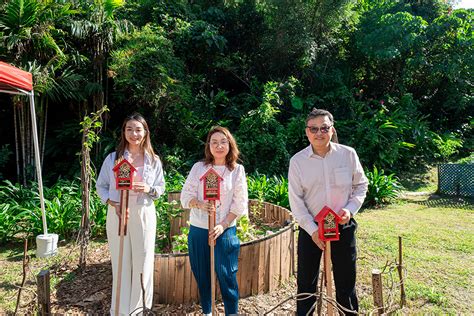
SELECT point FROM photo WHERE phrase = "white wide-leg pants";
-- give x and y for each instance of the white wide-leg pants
(138, 256)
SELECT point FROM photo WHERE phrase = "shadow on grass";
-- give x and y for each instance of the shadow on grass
(436, 200)
(15, 250)
(88, 292)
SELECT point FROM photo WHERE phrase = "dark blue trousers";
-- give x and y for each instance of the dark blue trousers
(226, 265)
(343, 257)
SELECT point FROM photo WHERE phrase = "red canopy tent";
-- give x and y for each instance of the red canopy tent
(13, 80)
(17, 81)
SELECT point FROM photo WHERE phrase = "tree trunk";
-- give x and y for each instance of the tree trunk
(87, 143)
(85, 183)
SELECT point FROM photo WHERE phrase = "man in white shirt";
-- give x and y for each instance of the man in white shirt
(326, 174)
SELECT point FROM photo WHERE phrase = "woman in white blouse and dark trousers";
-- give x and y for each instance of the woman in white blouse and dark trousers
(139, 242)
(221, 153)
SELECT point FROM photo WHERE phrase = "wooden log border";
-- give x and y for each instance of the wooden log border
(264, 264)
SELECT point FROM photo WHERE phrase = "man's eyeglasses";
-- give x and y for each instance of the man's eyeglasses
(223, 143)
(314, 129)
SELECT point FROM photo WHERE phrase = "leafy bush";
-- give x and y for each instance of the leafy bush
(21, 211)
(9, 223)
(261, 136)
(466, 160)
(447, 145)
(180, 242)
(382, 188)
(247, 231)
(273, 190)
(165, 212)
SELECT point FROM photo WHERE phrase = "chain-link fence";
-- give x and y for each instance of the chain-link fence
(456, 179)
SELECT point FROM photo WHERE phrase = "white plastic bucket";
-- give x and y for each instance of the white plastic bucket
(46, 245)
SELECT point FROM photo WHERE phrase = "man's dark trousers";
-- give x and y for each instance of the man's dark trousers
(343, 256)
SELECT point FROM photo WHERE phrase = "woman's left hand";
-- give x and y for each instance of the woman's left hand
(218, 230)
(141, 187)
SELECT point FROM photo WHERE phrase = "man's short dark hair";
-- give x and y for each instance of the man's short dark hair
(319, 112)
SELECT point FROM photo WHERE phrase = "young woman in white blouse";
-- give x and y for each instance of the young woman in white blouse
(221, 153)
(139, 243)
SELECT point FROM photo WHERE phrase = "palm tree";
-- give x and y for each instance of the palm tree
(97, 32)
(26, 30)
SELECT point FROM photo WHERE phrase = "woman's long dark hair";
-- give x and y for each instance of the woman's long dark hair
(146, 143)
(232, 155)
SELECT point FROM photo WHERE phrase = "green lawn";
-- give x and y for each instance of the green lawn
(438, 248)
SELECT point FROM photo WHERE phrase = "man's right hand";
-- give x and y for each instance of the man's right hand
(317, 241)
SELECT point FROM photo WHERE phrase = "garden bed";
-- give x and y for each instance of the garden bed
(264, 264)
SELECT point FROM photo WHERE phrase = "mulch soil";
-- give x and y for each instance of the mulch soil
(89, 292)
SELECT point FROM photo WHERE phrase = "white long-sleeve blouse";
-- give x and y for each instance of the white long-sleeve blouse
(233, 193)
(152, 175)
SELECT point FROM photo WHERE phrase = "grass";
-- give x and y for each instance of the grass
(438, 253)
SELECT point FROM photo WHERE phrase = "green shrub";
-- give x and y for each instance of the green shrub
(262, 138)
(180, 242)
(382, 188)
(165, 212)
(467, 160)
(246, 231)
(273, 190)
(21, 211)
(447, 145)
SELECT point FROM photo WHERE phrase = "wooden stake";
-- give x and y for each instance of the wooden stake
(328, 272)
(377, 290)
(122, 233)
(400, 273)
(320, 290)
(44, 300)
(212, 243)
(26, 260)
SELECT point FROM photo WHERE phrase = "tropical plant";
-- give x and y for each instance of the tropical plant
(98, 29)
(165, 212)
(247, 231)
(382, 188)
(466, 160)
(261, 135)
(180, 242)
(21, 210)
(269, 189)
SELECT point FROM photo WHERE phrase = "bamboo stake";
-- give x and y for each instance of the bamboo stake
(122, 233)
(320, 291)
(328, 271)
(26, 260)
(212, 243)
(377, 290)
(400, 273)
